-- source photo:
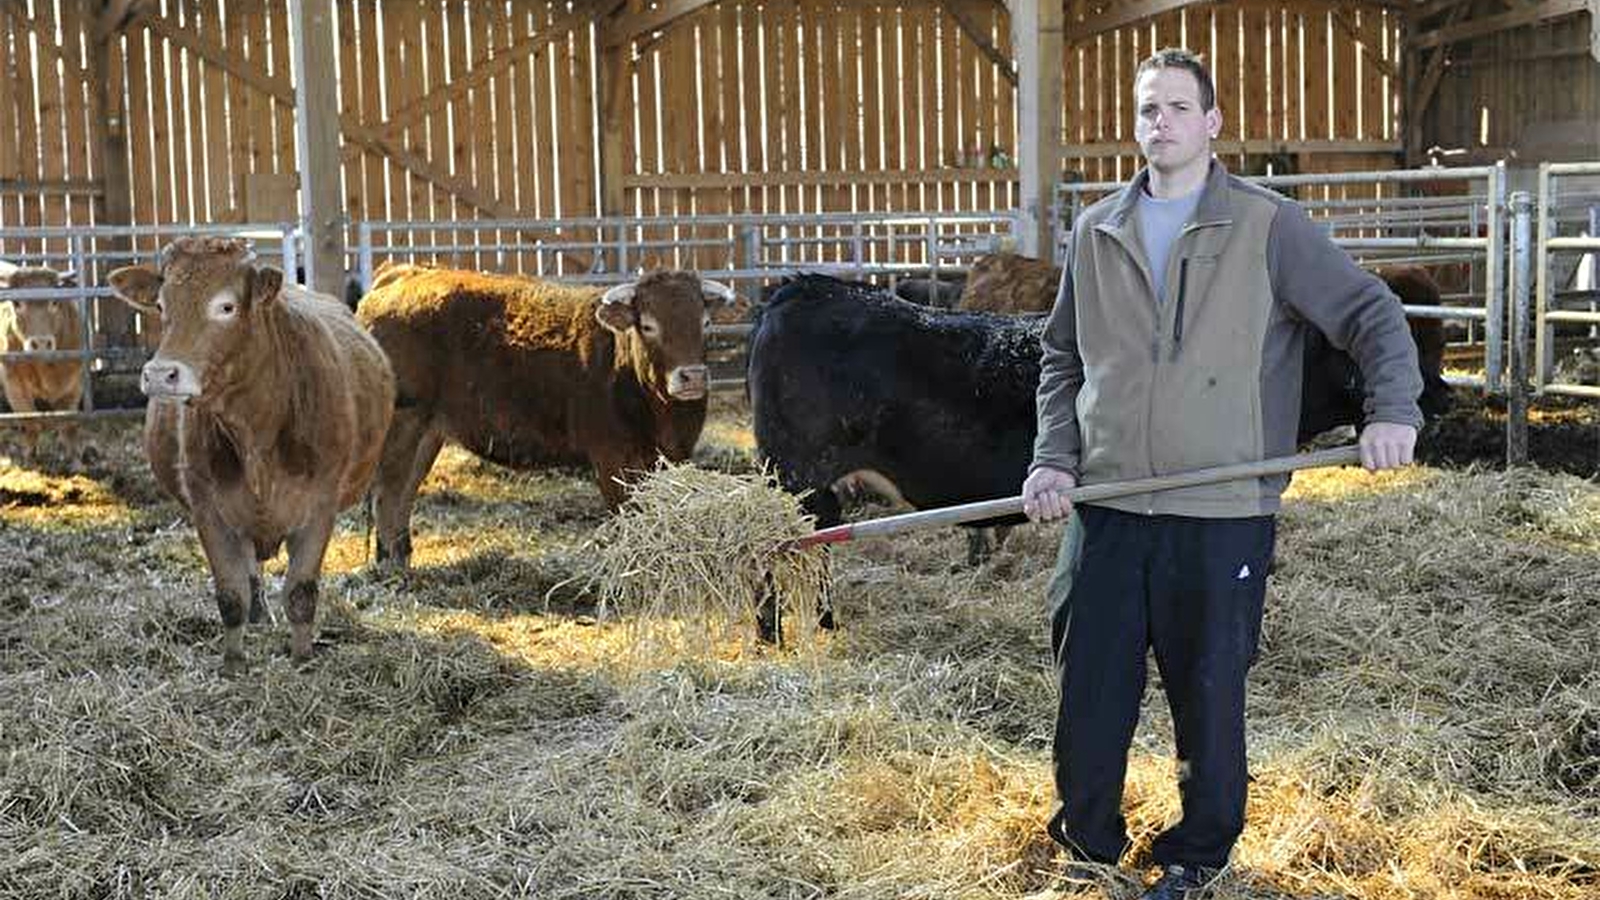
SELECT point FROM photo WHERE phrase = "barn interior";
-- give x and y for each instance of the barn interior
(1425, 713)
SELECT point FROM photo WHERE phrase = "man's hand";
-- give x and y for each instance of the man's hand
(1385, 445)
(1044, 494)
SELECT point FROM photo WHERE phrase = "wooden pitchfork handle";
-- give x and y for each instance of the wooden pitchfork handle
(1007, 506)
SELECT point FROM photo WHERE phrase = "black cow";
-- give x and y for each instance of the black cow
(850, 385)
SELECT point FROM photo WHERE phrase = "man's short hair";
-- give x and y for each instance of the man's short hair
(1193, 63)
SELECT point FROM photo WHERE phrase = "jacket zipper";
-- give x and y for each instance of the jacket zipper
(1177, 321)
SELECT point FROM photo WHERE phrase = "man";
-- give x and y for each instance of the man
(1175, 344)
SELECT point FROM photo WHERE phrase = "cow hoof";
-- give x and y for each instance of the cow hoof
(234, 666)
(825, 621)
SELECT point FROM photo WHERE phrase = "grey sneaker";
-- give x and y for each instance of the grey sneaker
(1182, 883)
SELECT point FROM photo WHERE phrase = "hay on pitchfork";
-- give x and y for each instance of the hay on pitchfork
(699, 551)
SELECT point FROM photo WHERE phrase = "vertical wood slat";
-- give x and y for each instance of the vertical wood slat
(448, 132)
(28, 137)
(374, 170)
(873, 126)
(1345, 79)
(188, 116)
(75, 107)
(498, 33)
(349, 104)
(10, 158)
(52, 143)
(1319, 125)
(484, 134)
(713, 201)
(140, 169)
(1255, 71)
(928, 155)
(732, 125)
(217, 148)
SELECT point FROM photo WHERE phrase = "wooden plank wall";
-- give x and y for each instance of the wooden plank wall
(1305, 71)
(761, 106)
(1529, 76)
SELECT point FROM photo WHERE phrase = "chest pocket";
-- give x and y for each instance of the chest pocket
(1196, 273)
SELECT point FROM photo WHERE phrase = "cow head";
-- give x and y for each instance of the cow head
(211, 296)
(42, 325)
(660, 322)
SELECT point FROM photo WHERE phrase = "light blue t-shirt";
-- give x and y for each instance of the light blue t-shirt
(1160, 223)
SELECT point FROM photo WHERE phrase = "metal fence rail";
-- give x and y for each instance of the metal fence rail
(1394, 227)
(92, 252)
(736, 248)
(1568, 224)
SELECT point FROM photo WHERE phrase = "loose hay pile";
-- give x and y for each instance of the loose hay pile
(698, 550)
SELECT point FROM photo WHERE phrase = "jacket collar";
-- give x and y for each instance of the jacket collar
(1214, 208)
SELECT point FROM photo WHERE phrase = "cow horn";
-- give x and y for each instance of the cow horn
(622, 293)
(719, 290)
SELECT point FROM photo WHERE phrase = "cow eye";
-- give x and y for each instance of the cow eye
(649, 329)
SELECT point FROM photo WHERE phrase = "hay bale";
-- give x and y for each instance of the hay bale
(698, 550)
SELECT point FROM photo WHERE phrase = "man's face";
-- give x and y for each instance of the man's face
(1172, 129)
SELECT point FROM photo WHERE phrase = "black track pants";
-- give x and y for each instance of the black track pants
(1192, 589)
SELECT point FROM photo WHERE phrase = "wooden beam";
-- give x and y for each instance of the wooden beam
(1037, 34)
(479, 73)
(316, 144)
(626, 28)
(69, 187)
(114, 17)
(1256, 146)
(1479, 27)
(1424, 11)
(813, 178)
(1119, 14)
(279, 89)
(968, 15)
(1417, 106)
(1378, 62)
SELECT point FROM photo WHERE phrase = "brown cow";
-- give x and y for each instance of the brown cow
(40, 326)
(268, 409)
(1009, 283)
(528, 373)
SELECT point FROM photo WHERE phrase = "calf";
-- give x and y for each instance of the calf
(268, 409)
(40, 326)
(529, 373)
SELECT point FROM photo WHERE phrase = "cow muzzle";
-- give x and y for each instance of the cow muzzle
(44, 344)
(688, 382)
(165, 379)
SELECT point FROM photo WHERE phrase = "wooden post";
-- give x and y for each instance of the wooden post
(114, 205)
(316, 94)
(1036, 28)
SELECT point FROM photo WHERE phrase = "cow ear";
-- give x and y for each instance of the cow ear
(617, 317)
(616, 311)
(138, 286)
(266, 284)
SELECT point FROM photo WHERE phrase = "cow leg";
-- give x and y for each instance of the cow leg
(824, 505)
(306, 548)
(610, 473)
(258, 608)
(408, 453)
(232, 560)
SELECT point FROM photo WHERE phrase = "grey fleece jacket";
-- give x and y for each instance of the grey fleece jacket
(1131, 388)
